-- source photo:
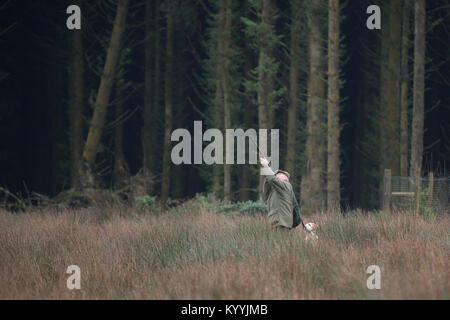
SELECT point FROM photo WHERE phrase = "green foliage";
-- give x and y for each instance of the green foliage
(208, 201)
(146, 203)
(230, 208)
(172, 203)
(265, 41)
(252, 207)
(409, 203)
(261, 34)
(424, 208)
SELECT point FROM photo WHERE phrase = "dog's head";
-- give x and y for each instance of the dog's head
(311, 226)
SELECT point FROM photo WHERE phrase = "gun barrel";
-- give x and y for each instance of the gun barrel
(257, 147)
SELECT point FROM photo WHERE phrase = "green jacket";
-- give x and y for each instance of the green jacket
(281, 202)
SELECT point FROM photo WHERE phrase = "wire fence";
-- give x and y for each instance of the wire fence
(424, 195)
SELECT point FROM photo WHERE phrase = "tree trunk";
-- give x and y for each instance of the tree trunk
(390, 94)
(265, 85)
(169, 76)
(418, 89)
(103, 95)
(246, 178)
(76, 101)
(313, 184)
(57, 127)
(293, 90)
(383, 92)
(121, 172)
(149, 110)
(226, 92)
(404, 93)
(157, 105)
(244, 183)
(366, 147)
(179, 174)
(218, 97)
(333, 171)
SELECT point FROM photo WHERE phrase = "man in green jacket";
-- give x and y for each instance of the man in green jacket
(284, 212)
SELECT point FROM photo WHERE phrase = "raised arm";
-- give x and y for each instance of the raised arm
(271, 179)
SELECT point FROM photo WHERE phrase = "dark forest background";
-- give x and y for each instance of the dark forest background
(231, 64)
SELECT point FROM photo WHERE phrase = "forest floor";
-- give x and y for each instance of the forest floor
(193, 252)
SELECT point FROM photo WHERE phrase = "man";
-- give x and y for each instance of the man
(284, 212)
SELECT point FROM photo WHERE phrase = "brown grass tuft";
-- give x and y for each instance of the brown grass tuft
(195, 253)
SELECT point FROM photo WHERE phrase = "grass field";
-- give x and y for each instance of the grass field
(192, 252)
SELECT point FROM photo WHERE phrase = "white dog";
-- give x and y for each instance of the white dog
(311, 235)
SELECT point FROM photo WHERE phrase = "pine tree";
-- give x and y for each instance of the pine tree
(294, 71)
(76, 101)
(313, 181)
(149, 114)
(168, 98)
(226, 85)
(418, 89)
(390, 89)
(121, 171)
(333, 170)
(404, 91)
(265, 41)
(103, 95)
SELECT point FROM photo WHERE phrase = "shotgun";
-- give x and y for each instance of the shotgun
(257, 147)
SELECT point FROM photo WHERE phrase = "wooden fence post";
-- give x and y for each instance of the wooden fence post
(387, 191)
(417, 207)
(430, 188)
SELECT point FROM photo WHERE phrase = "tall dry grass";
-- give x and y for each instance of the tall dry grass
(193, 253)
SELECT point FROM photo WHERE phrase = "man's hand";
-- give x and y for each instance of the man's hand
(264, 162)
